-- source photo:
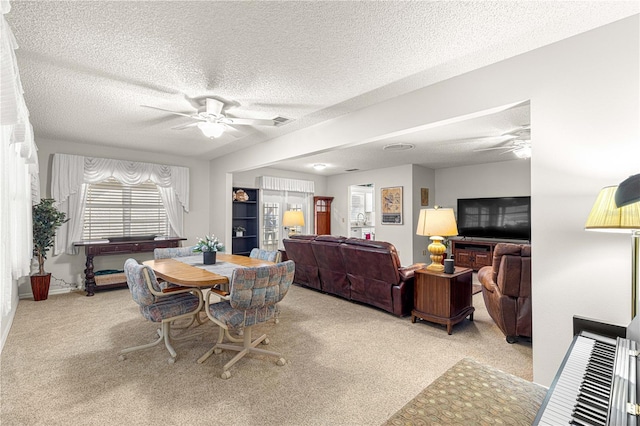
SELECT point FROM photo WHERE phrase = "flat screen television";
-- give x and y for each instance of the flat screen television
(500, 217)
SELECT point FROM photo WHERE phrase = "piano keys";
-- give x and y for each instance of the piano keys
(595, 385)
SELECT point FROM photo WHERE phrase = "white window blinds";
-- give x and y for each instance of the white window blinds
(114, 209)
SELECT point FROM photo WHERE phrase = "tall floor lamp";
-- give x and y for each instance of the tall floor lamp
(623, 216)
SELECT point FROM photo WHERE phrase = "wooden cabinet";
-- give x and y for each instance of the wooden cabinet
(322, 212)
(443, 298)
(102, 248)
(473, 254)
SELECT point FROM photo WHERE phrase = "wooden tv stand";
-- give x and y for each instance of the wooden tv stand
(473, 254)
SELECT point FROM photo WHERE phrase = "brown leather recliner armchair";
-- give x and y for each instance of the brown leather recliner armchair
(506, 289)
(299, 250)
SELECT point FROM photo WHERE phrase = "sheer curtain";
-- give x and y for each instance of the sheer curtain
(19, 181)
(286, 194)
(72, 173)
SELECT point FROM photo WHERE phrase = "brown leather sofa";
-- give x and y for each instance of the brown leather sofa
(506, 289)
(360, 270)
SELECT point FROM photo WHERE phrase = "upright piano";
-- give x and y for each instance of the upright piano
(597, 382)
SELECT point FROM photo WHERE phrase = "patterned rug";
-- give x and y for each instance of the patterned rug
(470, 393)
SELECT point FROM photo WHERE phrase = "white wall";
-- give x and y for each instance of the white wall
(503, 179)
(422, 178)
(584, 117)
(67, 270)
(400, 235)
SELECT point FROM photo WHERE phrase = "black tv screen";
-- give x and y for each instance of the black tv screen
(502, 217)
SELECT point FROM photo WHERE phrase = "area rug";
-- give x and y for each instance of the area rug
(471, 393)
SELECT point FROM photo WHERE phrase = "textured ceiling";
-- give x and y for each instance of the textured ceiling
(86, 67)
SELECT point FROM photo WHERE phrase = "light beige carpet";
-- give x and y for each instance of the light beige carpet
(347, 364)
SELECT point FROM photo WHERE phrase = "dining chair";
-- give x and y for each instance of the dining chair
(161, 307)
(271, 256)
(254, 293)
(168, 253)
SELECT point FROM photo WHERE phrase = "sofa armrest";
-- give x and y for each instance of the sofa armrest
(406, 272)
(485, 276)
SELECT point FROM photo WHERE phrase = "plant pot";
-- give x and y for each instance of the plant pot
(209, 257)
(40, 286)
(239, 233)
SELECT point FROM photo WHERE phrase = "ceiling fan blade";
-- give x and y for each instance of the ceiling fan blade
(252, 122)
(185, 126)
(491, 149)
(169, 111)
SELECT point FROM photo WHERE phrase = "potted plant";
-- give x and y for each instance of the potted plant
(208, 246)
(239, 230)
(46, 220)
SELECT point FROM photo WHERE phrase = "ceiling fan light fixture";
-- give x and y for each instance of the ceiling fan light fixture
(319, 166)
(211, 130)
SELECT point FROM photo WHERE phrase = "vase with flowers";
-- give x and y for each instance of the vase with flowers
(208, 246)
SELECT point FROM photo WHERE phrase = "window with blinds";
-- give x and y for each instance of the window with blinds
(114, 209)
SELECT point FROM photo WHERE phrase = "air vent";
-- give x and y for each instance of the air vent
(352, 170)
(281, 120)
(398, 146)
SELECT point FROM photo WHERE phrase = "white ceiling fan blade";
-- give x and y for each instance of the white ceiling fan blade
(185, 126)
(169, 111)
(491, 149)
(252, 122)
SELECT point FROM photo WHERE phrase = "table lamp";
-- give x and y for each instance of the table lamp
(606, 216)
(291, 219)
(437, 223)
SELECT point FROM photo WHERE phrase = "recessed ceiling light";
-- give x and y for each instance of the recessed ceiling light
(400, 146)
(319, 166)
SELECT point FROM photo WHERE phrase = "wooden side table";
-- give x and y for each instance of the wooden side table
(443, 298)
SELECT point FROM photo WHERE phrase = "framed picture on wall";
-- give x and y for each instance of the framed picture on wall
(424, 196)
(391, 205)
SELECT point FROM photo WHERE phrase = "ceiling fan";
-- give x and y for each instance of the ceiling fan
(212, 122)
(520, 142)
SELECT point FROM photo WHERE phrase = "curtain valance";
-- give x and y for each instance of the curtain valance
(286, 184)
(71, 171)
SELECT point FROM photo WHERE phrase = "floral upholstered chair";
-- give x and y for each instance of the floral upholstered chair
(271, 256)
(157, 306)
(252, 300)
(168, 253)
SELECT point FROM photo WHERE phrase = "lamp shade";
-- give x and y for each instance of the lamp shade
(606, 216)
(628, 191)
(437, 222)
(293, 218)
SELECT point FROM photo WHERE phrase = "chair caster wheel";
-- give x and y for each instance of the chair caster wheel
(512, 339)
(225, 374)
(281, 362)
(217, 351)
(121, 358)
(172, 360)
(265, 341)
